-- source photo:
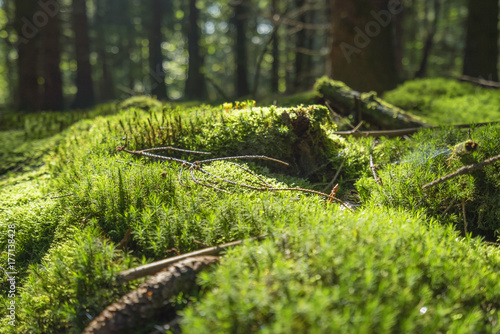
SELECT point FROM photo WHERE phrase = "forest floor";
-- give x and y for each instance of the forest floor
(83, 199)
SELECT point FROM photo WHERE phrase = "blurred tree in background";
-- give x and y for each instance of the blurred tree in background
(58, 54)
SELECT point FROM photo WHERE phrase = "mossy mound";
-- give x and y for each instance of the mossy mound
(145, 103)
(442, 101)
(429, 156)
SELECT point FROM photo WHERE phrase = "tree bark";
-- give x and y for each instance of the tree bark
(275, 48)
(28, 89)
(481, 45)
(303, 41)
(85, 87)
(362, 52)
(156, 71)
(107, 85)
(52, 98)
(240, 21)
(429, 42)
(196, 87)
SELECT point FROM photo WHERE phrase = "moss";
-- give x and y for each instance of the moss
(145, 103)
(445, 101)
(375, 271)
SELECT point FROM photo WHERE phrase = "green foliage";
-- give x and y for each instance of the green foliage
(376, 271)
(444, 101)
(429, 157)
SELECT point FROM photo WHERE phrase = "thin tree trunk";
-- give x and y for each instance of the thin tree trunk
(362, 51)
(302, 61)
(51, 59)
(429, 42)
(196, 87)
(85, 88)
(240, 22)
(481, 46)
(107, 86)
(28, 90)
(156, 71)
(275, 48)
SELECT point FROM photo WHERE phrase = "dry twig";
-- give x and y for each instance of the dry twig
(464, 170)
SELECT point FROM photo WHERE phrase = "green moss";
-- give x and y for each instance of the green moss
(376, 271)
(444, 101)
(145, 103)
(430, 156)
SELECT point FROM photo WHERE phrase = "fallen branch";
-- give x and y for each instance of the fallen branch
(402, 132)
(154, 267)
(151, 299)
(464, 170)
(480, 82)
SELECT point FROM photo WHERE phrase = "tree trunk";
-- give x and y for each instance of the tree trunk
(107, 86)
(51, 59)
(481, 45)
(196, 87)
(275, 48)
(28, 90)
(156, 71)
(429, 42)
(362, 50)
(85, 89)
(303, 42)
(240, 21)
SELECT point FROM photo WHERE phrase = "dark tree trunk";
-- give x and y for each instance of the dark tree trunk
(275, 49)
(362, 51)
(429, 42)
(156, 72)
(240, 21)
(85, 89)
(481, 45)
(28, 90)
(51, 59)
(303, 43)
(195, 84)
(107, 86)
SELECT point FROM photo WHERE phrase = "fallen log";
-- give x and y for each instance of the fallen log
(365, 106)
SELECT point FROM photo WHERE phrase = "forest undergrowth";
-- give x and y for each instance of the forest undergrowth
(399, 259)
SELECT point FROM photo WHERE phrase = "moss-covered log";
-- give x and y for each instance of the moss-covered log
(365, 106)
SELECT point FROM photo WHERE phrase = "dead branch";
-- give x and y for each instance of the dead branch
(464, 170)
(154, 267)
(480, 81)
(151, 299)
(402, 132)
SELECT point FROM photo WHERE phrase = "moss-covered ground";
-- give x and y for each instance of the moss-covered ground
(400, 263)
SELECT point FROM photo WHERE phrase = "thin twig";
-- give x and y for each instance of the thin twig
(330, 185)
(464, 170)
(465, 219)
(374, 171)
(195, 180)
(252, 173)
(332, 112)
(262, 157)
(170, 148)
